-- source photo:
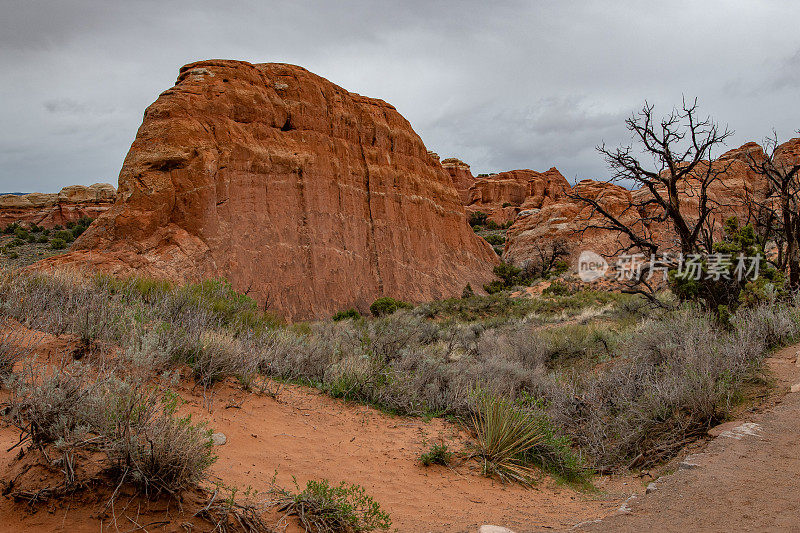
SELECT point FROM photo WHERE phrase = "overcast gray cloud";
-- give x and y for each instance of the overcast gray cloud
(501, 85)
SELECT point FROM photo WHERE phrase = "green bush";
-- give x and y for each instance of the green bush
(478, 218)
(437, 455)
(507, 204)
(467, 292)
(506, 434)
(493, 287)
(347, 314)
(11, 228)
(495, 240)
(58, 244)
(325, 508)
(64, 235)
(387, 305)
(723, 296)
(556, 288)
(43, 239)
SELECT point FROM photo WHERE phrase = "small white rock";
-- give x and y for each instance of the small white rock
(652, 487)
(494, 529)
(218, 439)
(795, 387)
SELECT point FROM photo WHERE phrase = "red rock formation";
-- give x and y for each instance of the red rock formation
(461, 176)
(503, 195)
(565, 218)
(311, 198)
(54, 209)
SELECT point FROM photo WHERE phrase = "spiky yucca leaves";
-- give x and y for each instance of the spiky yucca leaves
(505, 432)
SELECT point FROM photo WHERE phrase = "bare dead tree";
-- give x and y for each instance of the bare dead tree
(546, 255)
(779, 212)
(681, 146)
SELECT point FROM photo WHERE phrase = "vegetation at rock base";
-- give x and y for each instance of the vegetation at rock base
(610, 381)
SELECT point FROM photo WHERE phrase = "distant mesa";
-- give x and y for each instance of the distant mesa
(307, 197)
(56, 209)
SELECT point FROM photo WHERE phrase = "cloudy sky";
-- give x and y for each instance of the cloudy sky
(501, 85)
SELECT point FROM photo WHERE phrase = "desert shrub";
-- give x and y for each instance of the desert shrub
(495, 240)
(21, 234)
(556, 288)
(347, 314)
(553, 452)
(220, 355)
(164, 453)
(492, 225)
(54, 406)
(565, 344)
(58, 244)
(43, 239)
(494, 287)
(64, 235)
(723, 294)
(507, 204)
(10, 228)
(13, 348)
(467, 292)
(478, 218)
(438, 454)
(133, 426)
(505, 435)
(387, 305)
(509, 274)
(325, 508)
(16, 242)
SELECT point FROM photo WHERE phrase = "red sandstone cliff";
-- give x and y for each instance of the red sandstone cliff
(312, 198)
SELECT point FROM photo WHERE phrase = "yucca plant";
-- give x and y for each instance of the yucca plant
(505, 432)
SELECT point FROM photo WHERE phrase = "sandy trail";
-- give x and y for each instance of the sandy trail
(746, 479)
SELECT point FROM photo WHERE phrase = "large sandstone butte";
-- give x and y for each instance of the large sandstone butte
(308, 197)
(56, 209)
(566, 218)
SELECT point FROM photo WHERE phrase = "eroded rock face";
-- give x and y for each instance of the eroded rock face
(569, 221)
(566, 218)
(54, 209)
(308, 197)
(461, 175)
(503, 195)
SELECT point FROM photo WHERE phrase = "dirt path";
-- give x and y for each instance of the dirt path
(746, 479)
